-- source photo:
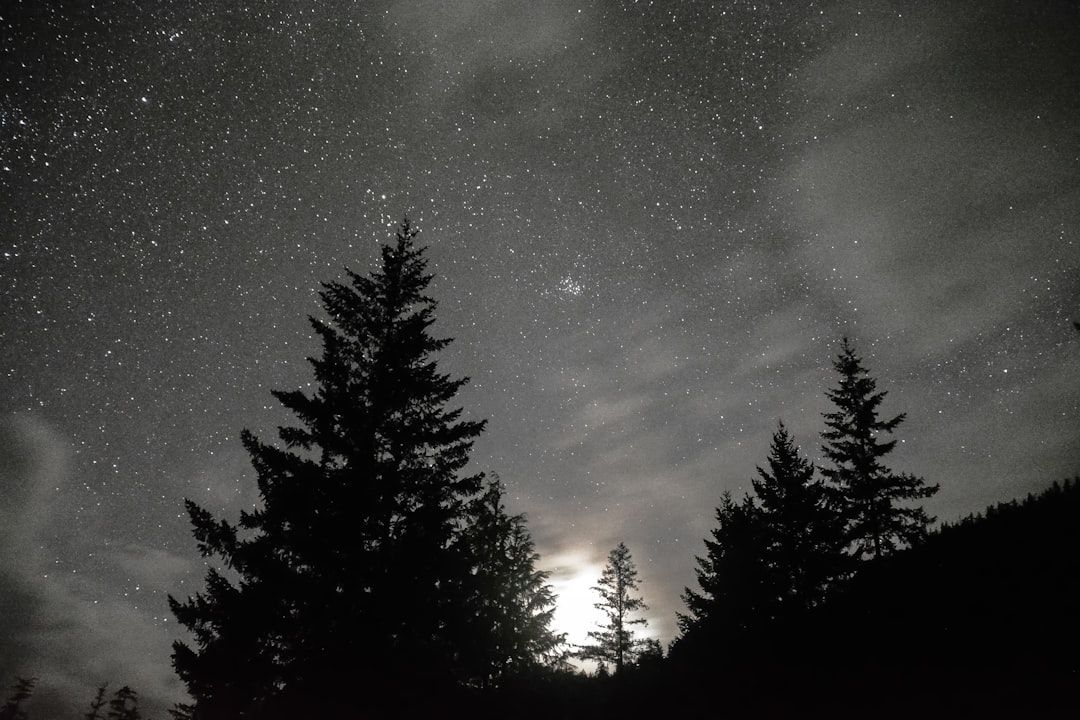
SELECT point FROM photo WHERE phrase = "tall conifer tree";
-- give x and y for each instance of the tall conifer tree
(615, 643)
(735, 594)
(873, 499)
(363, 568)
(513, 602)
(802, 535)
(771, 556)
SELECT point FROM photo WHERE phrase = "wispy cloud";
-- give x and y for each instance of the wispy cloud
(936, 199)
(70, 628)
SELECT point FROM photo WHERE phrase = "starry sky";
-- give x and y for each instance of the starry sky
(651, 223)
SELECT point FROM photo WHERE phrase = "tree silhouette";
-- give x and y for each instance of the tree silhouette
(736, 593)
(802, 535)
(22, 691)
(871, 497)
(124, 705)
(650, 652)
(182, 711)
(368, 564)
(615, 643)
(513, 602)
(97, 703)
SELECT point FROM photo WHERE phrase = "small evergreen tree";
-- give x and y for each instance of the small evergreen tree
(124, 705)
(97, 703)
(803, 536)
(873, 499)
(615, 642)
(650, 653)
(736, 593)
(22, 691)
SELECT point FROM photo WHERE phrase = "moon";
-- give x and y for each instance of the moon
(573, 575)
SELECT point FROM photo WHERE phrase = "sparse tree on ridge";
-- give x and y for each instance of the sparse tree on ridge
(614, 643)
(364, 569)
(873, 499)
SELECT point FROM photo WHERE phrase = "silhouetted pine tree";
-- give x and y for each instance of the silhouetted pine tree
(513, 604)
(22, 691)
(97, 703)
(615, 643)
(124, 705)
(182, 711)
(737, 594)
(872, 498)
(361, 572)
(802, 535)
(650, 652)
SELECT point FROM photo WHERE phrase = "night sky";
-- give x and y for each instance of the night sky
(651, 223)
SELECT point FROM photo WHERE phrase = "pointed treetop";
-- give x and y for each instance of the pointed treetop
(614, 642)
(874, 498)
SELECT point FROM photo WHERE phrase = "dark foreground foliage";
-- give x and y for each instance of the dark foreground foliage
(978, 621)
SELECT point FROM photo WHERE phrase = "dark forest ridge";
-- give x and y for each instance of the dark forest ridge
(977, 621)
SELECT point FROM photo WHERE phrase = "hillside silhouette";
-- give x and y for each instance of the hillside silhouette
(979, 620)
